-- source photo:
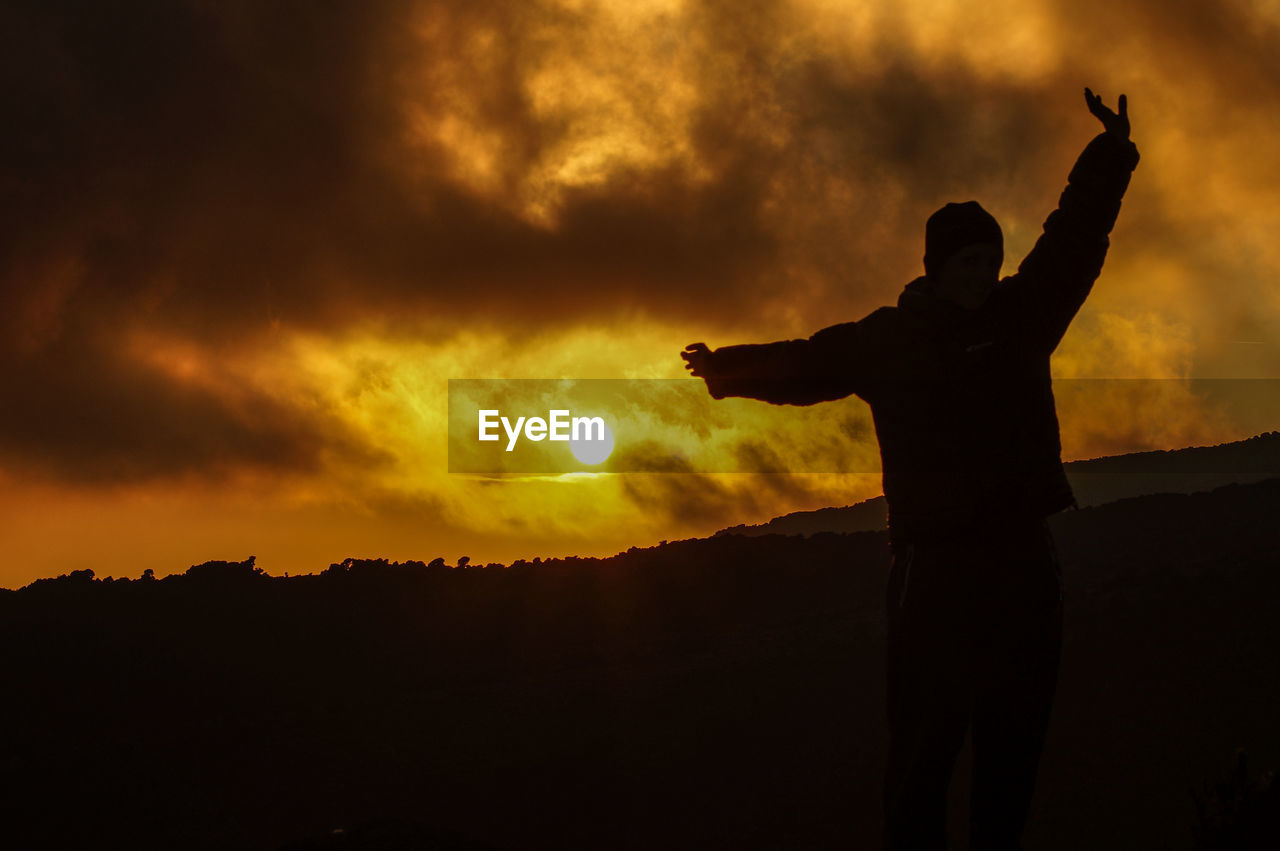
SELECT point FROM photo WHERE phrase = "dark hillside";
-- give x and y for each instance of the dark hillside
(720, 692)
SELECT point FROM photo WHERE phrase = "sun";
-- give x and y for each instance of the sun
(592, 451)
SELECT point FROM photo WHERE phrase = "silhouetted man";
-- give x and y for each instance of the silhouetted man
(957, 377)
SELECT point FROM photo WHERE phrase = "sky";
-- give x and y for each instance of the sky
(245, 245)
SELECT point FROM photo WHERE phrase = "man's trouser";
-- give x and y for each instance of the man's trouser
(975, 634)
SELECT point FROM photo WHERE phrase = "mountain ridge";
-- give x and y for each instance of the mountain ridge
(1095, 481)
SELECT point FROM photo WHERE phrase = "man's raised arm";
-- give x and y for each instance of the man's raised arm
(1060, 270)
(791, 372)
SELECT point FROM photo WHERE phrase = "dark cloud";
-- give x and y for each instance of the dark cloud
(154, 154)
(83, 414)
(1228, 47)
(688, 500)
(694, 502)
(230, 164)
(235, 163)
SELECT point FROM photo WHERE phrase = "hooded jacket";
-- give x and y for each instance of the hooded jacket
(962, 399)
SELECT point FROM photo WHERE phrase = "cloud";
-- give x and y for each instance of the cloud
(88, 413)
(237, 174)
(225, 167)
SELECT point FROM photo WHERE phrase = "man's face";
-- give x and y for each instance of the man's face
(968, 277)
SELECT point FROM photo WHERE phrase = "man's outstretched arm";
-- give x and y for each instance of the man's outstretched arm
(1057, 275)
(790, 372)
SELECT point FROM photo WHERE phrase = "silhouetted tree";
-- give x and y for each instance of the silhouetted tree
(224, 571)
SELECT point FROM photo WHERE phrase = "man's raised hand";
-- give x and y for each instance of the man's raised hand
(1117, 125)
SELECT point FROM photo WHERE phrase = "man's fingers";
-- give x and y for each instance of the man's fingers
(696, 356)
(1096, 106)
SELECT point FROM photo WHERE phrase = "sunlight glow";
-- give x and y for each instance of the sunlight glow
(592, 451)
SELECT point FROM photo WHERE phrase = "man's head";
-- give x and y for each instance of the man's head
(963, 253)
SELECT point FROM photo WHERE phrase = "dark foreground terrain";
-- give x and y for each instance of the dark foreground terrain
(708, 693)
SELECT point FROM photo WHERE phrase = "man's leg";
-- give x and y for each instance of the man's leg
(929, 693)
(1015, 693)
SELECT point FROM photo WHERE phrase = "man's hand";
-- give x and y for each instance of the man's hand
(1117, 125)
(697, 359)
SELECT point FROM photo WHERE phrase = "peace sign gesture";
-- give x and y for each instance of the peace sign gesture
(1116, 125)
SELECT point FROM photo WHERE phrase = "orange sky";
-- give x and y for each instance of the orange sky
(245, 245)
